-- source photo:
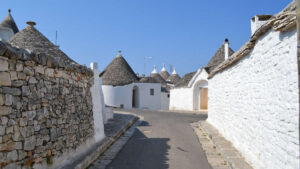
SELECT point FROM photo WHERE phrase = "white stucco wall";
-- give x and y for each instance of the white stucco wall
(148, 101)
(115, 96)
(186, 98)
(254, 103)
(181, 99)
(164, 101)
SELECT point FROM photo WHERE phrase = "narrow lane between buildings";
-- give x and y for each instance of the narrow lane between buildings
(163, 140)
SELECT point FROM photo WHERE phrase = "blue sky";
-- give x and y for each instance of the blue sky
(183, 33)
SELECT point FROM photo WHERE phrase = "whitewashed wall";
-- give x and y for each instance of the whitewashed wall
(146, 100)
(255, 105)
(181, 99)
(164, 100)
(115, 96)
(186, 98)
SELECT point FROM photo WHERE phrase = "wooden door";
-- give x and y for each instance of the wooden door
(203, 98)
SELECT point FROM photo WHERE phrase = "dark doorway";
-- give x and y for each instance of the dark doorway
(135, 97)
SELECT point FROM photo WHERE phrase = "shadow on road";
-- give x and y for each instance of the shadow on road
(142, 152)
(145, 124)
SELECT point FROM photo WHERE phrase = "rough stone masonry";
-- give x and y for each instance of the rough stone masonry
(45, 108)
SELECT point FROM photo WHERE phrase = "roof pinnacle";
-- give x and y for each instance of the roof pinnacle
(174, 72)
(154, 70)
(163, 68)
(119, 53)
(31, 23)
(9, 10)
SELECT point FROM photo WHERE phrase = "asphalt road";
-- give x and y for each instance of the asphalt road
(163, 140)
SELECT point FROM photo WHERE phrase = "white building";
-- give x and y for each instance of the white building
(8, 27)
(122, 88)
(254, 95)
(191, 92)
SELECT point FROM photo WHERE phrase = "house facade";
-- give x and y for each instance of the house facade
(254, 98)
(122, 88)
(191, 92)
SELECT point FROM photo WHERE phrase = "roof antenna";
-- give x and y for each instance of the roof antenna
(56, 38)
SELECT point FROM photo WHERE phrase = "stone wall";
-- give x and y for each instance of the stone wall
(45, 108)
(255, 103)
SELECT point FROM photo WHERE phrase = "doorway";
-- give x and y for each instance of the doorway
(203, 98)
(200, 95)
(135, 97)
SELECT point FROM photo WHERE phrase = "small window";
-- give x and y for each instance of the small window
(152, 92)
(168, 95)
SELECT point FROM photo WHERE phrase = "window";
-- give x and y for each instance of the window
(168, 95)
(152, 92)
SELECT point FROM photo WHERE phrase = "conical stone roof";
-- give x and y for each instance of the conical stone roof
(9, 22)
(149, 80)
(218, 58)
(174, 78)
(118, 73)
(30, 38)
(185, 80)
(158, 78)
(164, 73)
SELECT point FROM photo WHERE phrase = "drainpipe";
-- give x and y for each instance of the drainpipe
(298, 56)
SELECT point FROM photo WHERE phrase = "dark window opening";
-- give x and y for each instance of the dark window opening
(152, 92)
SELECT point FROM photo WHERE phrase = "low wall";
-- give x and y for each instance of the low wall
(46, 109)
(255, 105)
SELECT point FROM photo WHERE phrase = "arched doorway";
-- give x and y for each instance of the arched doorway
(135, 97)
(200, 95)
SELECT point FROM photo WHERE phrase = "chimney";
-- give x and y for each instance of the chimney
(94, 65)
(226, 48)
(257, 21)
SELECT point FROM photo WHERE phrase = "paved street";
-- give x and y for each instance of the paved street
(163, 140)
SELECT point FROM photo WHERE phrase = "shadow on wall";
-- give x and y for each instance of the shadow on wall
(142, 152)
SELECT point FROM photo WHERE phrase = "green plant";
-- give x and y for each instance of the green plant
(49, 159)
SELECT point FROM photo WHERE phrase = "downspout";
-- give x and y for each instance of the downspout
(298, 59)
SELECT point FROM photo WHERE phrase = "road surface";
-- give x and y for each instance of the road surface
(163, 140)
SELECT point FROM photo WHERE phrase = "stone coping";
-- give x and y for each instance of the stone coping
(220, 152)
(11, 52)
(114, 130)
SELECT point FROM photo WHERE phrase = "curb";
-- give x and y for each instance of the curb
(221, 146)
(214, 158)
(108, 156)
(89, 156)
